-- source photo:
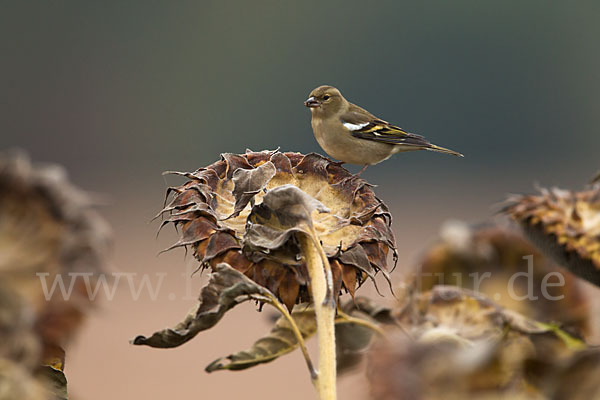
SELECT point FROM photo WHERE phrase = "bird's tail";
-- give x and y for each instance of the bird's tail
(439, 149)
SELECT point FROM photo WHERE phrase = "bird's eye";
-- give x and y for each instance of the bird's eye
(326, 97)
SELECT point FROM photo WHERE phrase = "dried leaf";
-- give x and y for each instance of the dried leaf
(289, 205)
(248, 182)
(352, 339)
(280, 341)
(55, 381)
(226, 289)
(285, 211)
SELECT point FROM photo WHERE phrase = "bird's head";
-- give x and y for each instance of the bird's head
(325, 100)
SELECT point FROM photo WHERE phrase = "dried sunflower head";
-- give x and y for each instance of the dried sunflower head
(565, 225)
(457, 344)
(486, 258)
(49, 227)
(221, 215)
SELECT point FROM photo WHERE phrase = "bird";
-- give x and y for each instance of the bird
(353, 135)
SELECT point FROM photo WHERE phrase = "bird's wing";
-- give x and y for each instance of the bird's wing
(364, 125)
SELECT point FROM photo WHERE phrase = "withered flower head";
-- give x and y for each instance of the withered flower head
(564, 224)
(463, 254)
(222, 214)
(47, 226)
(457, 344)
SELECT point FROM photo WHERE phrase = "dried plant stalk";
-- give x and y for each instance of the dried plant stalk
(325, 313)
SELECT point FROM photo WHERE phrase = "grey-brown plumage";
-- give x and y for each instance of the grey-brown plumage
(353, 135)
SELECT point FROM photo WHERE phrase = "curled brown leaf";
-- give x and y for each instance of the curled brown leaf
(226, 289)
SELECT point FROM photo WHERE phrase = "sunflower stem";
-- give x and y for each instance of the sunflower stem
(325, 313)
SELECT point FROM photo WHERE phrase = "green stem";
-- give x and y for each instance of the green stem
(325, 313)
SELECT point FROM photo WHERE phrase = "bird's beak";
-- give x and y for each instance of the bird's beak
(311, 102)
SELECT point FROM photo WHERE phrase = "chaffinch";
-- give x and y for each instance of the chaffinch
(353, 135)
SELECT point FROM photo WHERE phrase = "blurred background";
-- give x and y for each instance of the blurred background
(118, 92)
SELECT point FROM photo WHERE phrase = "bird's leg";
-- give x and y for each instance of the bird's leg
(362, 170)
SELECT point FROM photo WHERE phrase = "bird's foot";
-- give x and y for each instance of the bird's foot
(362, 170)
